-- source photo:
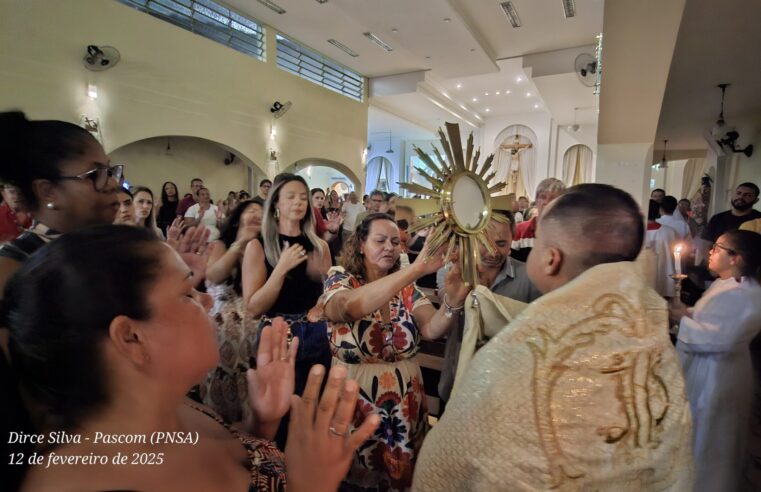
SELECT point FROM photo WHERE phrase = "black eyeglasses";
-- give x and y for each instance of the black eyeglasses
(100, 175)
(729, 251)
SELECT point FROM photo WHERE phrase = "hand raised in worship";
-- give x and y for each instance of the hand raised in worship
(335, 219)
(320, 442)
(455, 287)
(173, 232)
(220, 214)
(291, 257)
(271, 383)
(194, 250)
(425, 265)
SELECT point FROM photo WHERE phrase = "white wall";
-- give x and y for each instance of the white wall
(169, 82)
(539, 121)
(148, 164)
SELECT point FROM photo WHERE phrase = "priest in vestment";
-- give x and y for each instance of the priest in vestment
(582, 390)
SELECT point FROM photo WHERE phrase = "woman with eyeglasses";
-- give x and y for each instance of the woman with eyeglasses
(63, 175)
(713, 345)
(65, 178)
(376, 318)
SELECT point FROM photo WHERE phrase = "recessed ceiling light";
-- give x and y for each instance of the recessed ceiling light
(459, 86)
(528, 94)
(519, 79)
(394, 30)
(343, 48)
(536, 106)
(486, 93)
(569, 8)
(487, 110)
(507, 92)
(511, 13)
(447, 19)
(272, 6)
(497, 93)
(375, 39)
(475, 99)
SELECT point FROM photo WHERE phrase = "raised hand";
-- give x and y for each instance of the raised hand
(320, 442)
(173, 232)
(291, 257)
(335, 219)
(271, 384)
(426, 265)
(194, 250)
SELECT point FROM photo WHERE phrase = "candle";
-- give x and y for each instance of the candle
(678, 259)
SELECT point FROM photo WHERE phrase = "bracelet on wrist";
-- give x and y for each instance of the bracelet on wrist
(450, 310)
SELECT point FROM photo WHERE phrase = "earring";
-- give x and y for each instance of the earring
(51, 206)
(277, 213)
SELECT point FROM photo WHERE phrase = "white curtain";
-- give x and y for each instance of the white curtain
(524, 163)
(577, 165)
(693, 171)
(374, 170)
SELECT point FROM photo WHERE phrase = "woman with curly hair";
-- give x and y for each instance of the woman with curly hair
(376, 317)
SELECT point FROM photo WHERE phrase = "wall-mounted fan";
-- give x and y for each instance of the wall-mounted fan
(585, 67)
(278, 109)
(99, 58)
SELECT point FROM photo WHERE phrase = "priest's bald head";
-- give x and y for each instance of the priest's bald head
(588, 225)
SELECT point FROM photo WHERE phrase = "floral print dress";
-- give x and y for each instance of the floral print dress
(377, 356)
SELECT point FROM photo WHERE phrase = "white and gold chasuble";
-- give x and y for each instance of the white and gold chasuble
(581, 391)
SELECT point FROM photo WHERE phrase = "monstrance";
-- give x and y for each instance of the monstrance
(459, 208)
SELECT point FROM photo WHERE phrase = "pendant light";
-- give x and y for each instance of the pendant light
(663, 164)
(390, 150)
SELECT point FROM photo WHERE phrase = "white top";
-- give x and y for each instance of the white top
(661, 242)
(677, 223)
(351, 211)
(209, 219)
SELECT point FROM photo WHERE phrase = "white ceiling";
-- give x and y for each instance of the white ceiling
(718, 42)
(455, 42)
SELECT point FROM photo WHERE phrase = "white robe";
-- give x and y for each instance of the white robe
(713, 347)
(677, 223)
(661, 242)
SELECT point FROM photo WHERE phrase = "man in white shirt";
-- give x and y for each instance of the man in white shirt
(673, 220)
(351, 209)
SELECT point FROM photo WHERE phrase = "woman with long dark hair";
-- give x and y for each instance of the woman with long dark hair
(713, 345)
(167, 210)
(107, 336)
(144, 209)
(224, 388)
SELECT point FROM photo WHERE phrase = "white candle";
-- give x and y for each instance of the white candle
(678, 259)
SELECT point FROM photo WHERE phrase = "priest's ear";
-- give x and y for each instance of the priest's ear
(551, 261)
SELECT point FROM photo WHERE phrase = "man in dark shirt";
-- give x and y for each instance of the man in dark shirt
(746, 195)
(264, 191)
(195, 185)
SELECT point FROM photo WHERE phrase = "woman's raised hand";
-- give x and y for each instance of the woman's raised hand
(320, 442)
(291, 257)
(271, 383)
(427, 265)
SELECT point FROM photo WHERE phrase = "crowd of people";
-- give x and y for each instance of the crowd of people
(125, 312)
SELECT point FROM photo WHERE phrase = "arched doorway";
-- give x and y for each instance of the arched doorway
(325, 173)
(380, 172)
(578, 162)
(515, 159)
(152, 161)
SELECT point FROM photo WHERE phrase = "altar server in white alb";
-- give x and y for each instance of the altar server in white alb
(714, 339)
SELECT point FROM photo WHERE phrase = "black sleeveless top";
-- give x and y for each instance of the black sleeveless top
(299, 293)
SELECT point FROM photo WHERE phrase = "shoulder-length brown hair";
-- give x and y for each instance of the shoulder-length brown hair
(351, 258)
